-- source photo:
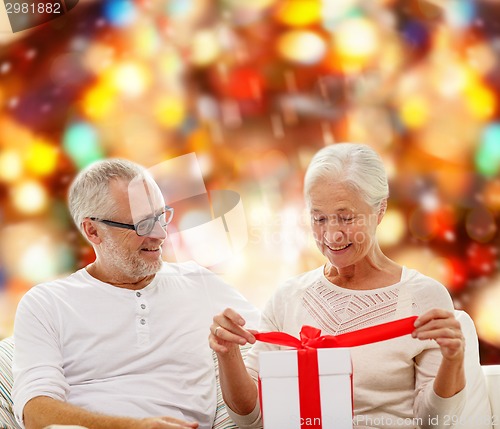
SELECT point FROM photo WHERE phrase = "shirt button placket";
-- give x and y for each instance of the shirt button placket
(142, 313)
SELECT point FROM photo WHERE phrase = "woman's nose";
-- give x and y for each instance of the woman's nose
(334, 235)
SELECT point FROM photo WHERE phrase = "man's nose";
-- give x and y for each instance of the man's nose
(158, 231)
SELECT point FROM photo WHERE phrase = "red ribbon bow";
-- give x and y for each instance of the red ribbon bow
(311, 340)
(310, 337)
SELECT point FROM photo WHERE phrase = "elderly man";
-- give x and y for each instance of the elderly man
(121, 343)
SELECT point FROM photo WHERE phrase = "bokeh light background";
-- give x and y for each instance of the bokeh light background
(254, 88)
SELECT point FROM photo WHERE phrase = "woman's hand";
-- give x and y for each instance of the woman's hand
(227, 332)
(440, 325)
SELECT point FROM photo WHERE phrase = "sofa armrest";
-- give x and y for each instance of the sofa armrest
(222, 419)
(7, 419)
(492, 375)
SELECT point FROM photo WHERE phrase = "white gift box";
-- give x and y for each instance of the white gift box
(280, 390)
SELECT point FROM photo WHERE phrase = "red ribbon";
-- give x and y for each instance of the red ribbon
(311, 340)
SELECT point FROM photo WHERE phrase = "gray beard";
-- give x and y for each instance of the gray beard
(130, 264)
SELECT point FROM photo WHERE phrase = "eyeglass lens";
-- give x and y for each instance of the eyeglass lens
(145, 226)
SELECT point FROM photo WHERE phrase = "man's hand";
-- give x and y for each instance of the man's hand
(43, 411)
(166, 423)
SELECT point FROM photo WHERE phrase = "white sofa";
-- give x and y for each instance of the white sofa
(482, 382)
(492, 374)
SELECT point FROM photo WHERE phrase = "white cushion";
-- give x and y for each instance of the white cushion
(492, 374)
(477, 411)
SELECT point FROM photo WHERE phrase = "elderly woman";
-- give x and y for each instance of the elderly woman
(411, 378)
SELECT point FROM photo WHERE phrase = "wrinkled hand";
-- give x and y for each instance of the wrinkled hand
(442, 326)
(166, 423)
(227, 332)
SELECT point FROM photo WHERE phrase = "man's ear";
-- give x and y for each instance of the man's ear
(381, 211)
(90, 231)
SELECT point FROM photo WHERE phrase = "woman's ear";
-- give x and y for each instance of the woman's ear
(381, 211)
(90, 231)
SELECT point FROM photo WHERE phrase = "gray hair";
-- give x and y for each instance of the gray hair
(353, 164)
(89, 193)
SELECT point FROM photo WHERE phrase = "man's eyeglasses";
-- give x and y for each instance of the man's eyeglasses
(144, 226)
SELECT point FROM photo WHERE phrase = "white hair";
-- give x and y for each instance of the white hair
(89, 194)
(353, 164)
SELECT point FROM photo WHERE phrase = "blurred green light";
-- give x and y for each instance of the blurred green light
(81, 143)
(180, 8)
(460, 13)
(488, 153)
